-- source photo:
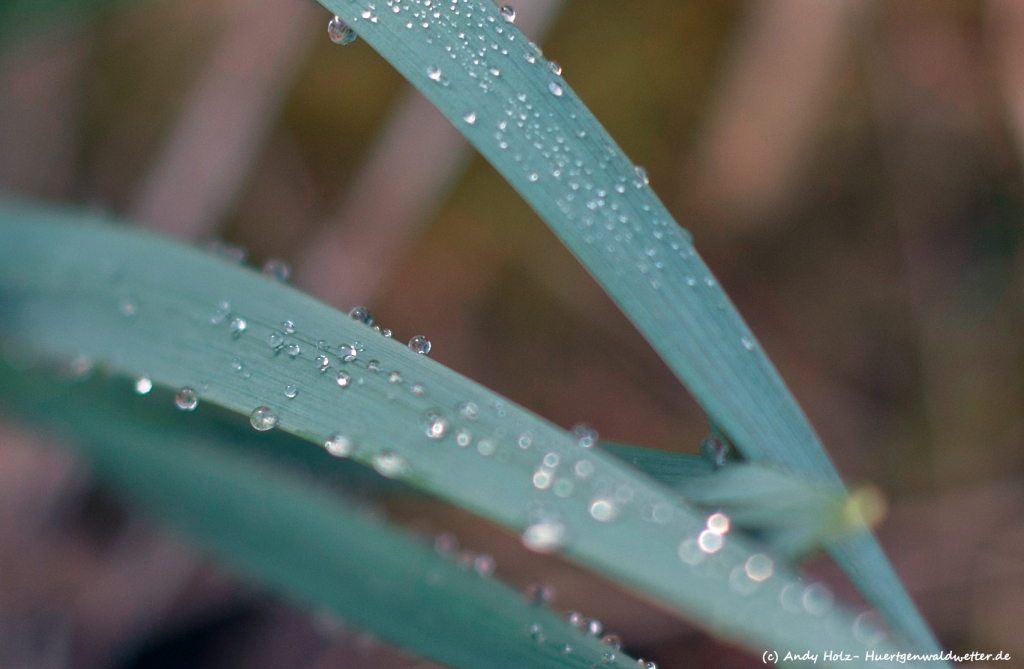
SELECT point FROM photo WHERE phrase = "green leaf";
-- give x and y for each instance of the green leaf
(536, 132)
(273, 525)
(796, 515)
(136, 304)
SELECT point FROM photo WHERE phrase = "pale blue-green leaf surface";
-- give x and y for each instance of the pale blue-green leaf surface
(520, 113)
(139, 305)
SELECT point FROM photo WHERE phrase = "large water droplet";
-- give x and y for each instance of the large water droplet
(545, 536)
(263, 419)
(469, 117)
(360, 314)
(420, 344)
(322, 362)
(555, 88)
(293, 350)
(612, 640)
(594, 627)
(290, 391)
(434, 73)
(339, 32)
(288, 327)
(390, 464)
(276, 340)
(343, 379)
(276, 269)
(186, 399)
(434, 424)
(339, 445)
(715, 450)
(348, 352)
(555, 68)
(602, 509)
(238, 326)
(221, 313)
(508, 13)
(143, 385)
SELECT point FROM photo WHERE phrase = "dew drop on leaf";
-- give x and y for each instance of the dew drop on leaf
(339, 32)
(508, 13)
(290, 391)
(545, 536)
(143, 385)
(277, 270)
(186, 399)
(339, 445)
(419, 344)
(263, 419)
(343, 379)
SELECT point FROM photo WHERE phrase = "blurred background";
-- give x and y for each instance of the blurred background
(850, 169)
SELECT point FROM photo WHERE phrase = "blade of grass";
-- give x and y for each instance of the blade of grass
(310, 544)
(126, 300)
(518, 111)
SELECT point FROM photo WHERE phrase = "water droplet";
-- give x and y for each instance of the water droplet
(434, 425)
(322, 345)
(418, 390)
(186, 399)
(463, 437)
(718, 523)
(608, 657)
(128, 307)
(263, 419)
(612, 640)
(542, 479)
(348, 352)
(532, 176)
(276, 269)
(555, 88)
(339, 445)
(583, 468)
(551, 460)
(373, 366)
(691, 552)
(343, 379)
(434, 73)
(322, 362)
(817, 600)
(143, 385)
(221, 313)
(594, 627)
(360, 314)
(508, 13)
(555, 68)
(545, 536)
(276, 340)
(290, 391)
(420, 344)
(602, 509)
(709, 542)
(469, 410)
(484, 564)
(540, 595)
(525, 440)
(238, 326)
(641, 177)
(575, 619)
(395, 378)
(390, 464)
(289, 327)
(747, 342)
(339, 32)
(386, 332)
(759, 567)
(293, 350)
(584, 435)
(469, 117)
(715, 450)
(650, 665)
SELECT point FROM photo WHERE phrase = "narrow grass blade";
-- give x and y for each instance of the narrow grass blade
(518, 111)
(122, 299)
(311, 545)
